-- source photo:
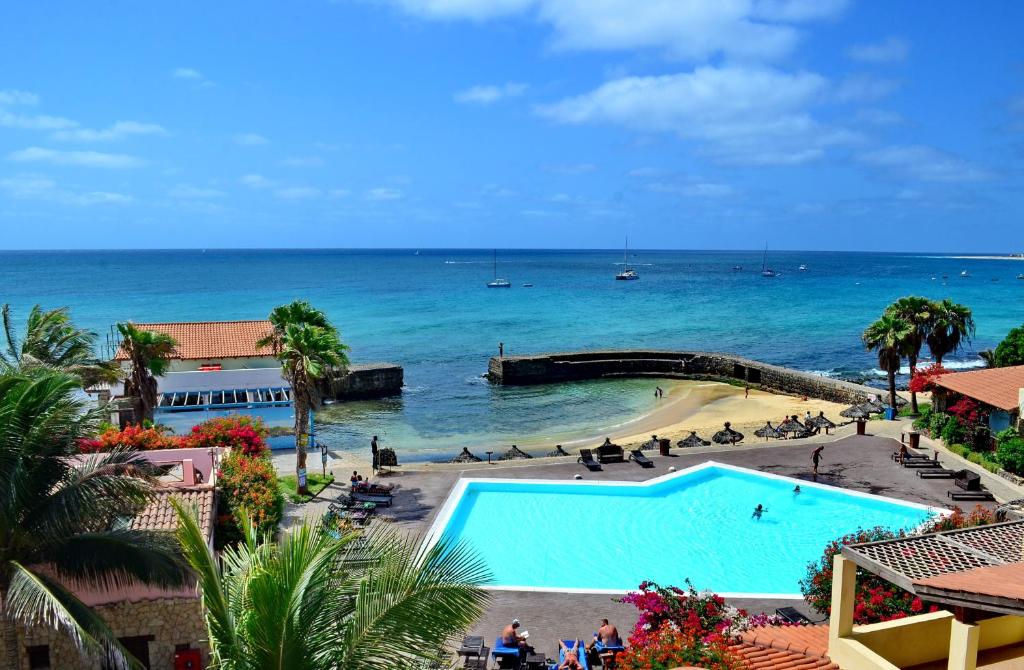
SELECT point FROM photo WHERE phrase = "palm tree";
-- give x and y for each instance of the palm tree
(304, 603)
(52, 340)
(888, 337)
(919, 314)
(57, 517)
(952, 326)
(148, 353)
(311, 352)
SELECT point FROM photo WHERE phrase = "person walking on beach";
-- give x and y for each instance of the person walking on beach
(658, 393)
(374, 451)
(816, 457)
(746, 390)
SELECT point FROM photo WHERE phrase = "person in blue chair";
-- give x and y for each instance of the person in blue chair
(510, 637)
(607, 636)
(570, 656)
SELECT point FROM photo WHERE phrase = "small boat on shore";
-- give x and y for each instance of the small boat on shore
(627, 273)
(497, 282)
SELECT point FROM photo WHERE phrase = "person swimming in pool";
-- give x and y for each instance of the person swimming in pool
(758, 511)
(796, 490)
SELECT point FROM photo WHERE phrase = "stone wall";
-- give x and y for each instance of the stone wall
(548, 368)
(374, 380)
(172, 623)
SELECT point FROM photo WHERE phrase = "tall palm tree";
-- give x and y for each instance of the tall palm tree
(888, 338)
(919, 314)
(304, 603)
(52, 340)
(952, 326)
(148, 357)
(57, 517)
(309, 355)
(295, 312)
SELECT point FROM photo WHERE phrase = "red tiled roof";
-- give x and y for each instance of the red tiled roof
(1003, 581)
(998, 387)
(159, 515)
(785, 647)
(210, 340)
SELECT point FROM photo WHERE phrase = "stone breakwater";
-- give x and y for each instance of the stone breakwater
(581, 365)
(370, 380)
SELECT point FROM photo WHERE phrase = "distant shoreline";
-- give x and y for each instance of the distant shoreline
(986, 258)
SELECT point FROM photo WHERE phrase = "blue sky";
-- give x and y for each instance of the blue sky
(812, 124)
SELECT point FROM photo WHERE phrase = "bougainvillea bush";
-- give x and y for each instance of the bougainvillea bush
(140, 438)
(237, 431)
(684, 627)
(250, 483)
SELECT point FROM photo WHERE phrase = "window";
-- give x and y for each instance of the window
(38, 657)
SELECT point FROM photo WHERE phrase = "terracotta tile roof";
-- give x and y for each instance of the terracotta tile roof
(159, 515)
(785, 647)
(998, 387)
(1003, 581)
(210, 340)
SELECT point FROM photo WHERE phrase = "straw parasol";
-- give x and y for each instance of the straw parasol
(558, 451)
(821, 421)
(873, 406)
(514, 453)
(466, 457)
(792, 426)
(856, 412)
(727, 435)
(767, 431)
(693, 440)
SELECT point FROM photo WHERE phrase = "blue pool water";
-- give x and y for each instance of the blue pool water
(695, 525)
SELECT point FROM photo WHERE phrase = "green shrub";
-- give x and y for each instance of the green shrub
(923, 421)
(1010, 454)
(250, 482)
(1005, 435)
(937, 422)
(953, 431)
(1011, 350)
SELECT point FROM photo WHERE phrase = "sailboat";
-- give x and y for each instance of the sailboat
(627, 273)
(496, 282)
(765, 270)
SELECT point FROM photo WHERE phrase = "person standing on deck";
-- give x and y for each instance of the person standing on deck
(375, 451)
(816, 457)
(501, 350)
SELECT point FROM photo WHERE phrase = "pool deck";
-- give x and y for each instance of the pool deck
(859, 463)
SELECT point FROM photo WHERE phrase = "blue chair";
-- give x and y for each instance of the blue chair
(505, 657)
(581, 653)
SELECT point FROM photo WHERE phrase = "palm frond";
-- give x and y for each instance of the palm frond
(116, 559)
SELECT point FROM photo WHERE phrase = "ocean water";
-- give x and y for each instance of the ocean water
(664, 532)
(432, 313)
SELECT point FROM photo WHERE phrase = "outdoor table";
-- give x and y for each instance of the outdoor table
(536, 662)
(472, 645)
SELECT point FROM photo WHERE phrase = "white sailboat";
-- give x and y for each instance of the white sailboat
(497, 282)
(627, 273)
(765, 270)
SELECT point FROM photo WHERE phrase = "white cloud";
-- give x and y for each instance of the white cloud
(890, 50)
(571, 168)
(34, 122)
(14, 97)
(385, 193)
(303, 161)
(187, 73)
(925, 163)
(117, 131)
(32, 187)
(742, 114)
(339, 193)
(255, 181)
(693, 30)
(82, 158)
(250, 139)
(189, 192)
(297, 193)
(864, 88)
(879, 117)
(693, 189)
(489, 94)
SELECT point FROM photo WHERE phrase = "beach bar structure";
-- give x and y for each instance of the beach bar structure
(1000, 391)
(975, 574)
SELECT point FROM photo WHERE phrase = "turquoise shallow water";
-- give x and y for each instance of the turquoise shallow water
(696, 526)
(432, 314)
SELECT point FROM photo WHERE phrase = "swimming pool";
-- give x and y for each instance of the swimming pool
(608, 537)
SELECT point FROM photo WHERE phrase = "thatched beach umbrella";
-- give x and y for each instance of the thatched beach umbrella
(558, 451)
(693, 440)
(767, 431)
(514, 453)
(856, 412)
(792, 427)
(727, 435)
(820, 421)
(466, 457)
(873, 406)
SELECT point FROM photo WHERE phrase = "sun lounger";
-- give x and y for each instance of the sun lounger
(379, 498)
(587, 459)
(981, 494)
(936, 473)
(967, 480)
(505, 657)
(581, 653)
(792, 615)
(638, 457)
(610, 453)
(607, 653)
(920, 463)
